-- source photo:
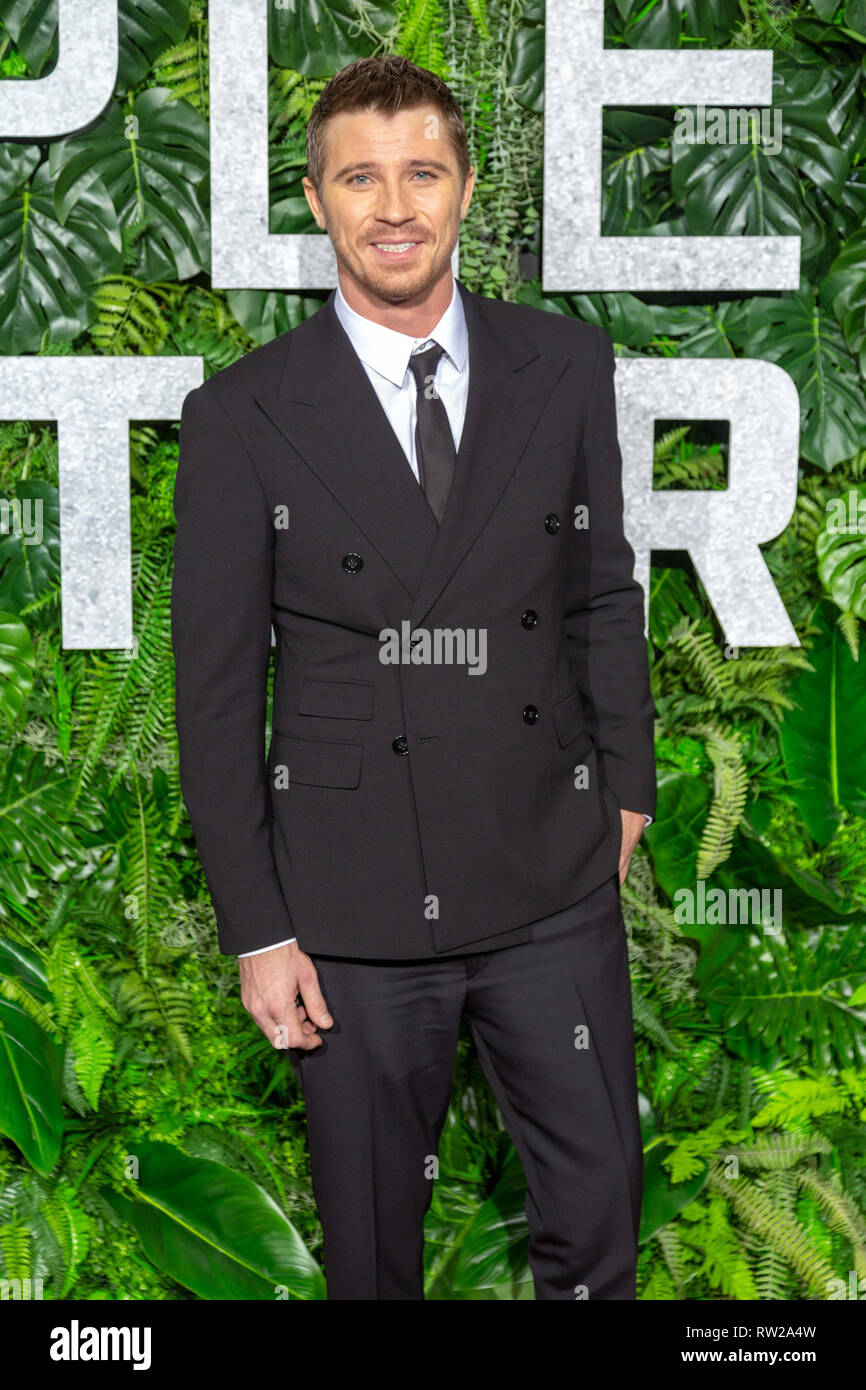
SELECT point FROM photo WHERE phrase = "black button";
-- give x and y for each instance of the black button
(352, 562)
(530, 714)
(551, 523)
(401, 745)
(529, 618)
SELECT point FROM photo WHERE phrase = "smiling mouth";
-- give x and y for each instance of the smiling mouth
(395, 248)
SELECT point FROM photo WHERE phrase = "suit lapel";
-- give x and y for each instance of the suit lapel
(329, 412)
(327, 409)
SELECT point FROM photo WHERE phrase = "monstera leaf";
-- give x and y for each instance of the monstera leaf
(490, 1250)
(145, 28)
(674, 838)
(844, 287)
(833, 92)
(701, 330)
(475, 1240)
(736, 189)
(316, 39)
(526, 57)
(215, 1230)
(779, 998)
(822, 736)
(855, 16)
(32, 26)
(265, 313)
(49, 260)
(746, 188)
(31, 1112)
(19, 962)
(625, 317)
(628, 320)
(635, 153)
(17, 163)
(842, 554)
(17, 660)
(152, 155)
(37, 838)
(30, 560)
(808, 343)
(665, 23)
(808, 900)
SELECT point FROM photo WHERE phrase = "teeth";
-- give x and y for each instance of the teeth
(403, 246)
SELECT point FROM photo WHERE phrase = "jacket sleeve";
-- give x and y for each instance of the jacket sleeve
(605, 609)
(221, 630)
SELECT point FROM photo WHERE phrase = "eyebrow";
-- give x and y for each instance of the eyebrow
(374, 164)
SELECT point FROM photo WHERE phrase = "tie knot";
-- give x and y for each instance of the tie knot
(423, 364)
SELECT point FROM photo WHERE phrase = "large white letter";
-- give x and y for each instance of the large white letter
(720, 529)
(79, 87)
(93, 400)
(581, 77)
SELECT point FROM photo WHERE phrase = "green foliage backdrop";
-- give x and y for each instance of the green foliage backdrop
(152, 1141)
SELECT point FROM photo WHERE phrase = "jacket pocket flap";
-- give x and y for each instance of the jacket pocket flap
(333, 699)
(316, 762)
(568, 718)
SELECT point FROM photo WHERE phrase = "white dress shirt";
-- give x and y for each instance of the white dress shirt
(384, 354)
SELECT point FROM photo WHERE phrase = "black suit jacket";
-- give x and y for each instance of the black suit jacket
(427, 810)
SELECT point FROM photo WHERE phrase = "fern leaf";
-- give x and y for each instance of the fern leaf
(730, 792)
(15, 1241)
(840, 1210)
(756, 1210)
(93, 1053)
(70, 1226)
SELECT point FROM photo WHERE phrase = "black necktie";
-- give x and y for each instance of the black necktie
(434, 442)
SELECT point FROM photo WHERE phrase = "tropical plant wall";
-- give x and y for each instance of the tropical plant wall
(153, 1142)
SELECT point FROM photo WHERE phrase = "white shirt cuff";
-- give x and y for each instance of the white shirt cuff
(243, 954)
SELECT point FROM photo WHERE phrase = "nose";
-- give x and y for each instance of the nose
(394, 204)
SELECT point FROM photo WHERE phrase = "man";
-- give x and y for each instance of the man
(420, 489)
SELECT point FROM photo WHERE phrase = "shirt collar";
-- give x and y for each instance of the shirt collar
(388, 352)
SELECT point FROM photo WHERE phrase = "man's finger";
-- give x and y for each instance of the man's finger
(306, 1025)
(311, 996)
(286, 1032)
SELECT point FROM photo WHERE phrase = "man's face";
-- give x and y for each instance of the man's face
(391, 179)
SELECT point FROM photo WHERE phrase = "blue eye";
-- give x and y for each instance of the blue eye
(428, 173)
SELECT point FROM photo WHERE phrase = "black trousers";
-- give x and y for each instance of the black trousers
(551, 1019)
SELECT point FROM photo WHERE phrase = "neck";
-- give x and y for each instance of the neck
(416, 316)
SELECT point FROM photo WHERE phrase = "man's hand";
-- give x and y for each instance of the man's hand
(632, 827)
(270, 985)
